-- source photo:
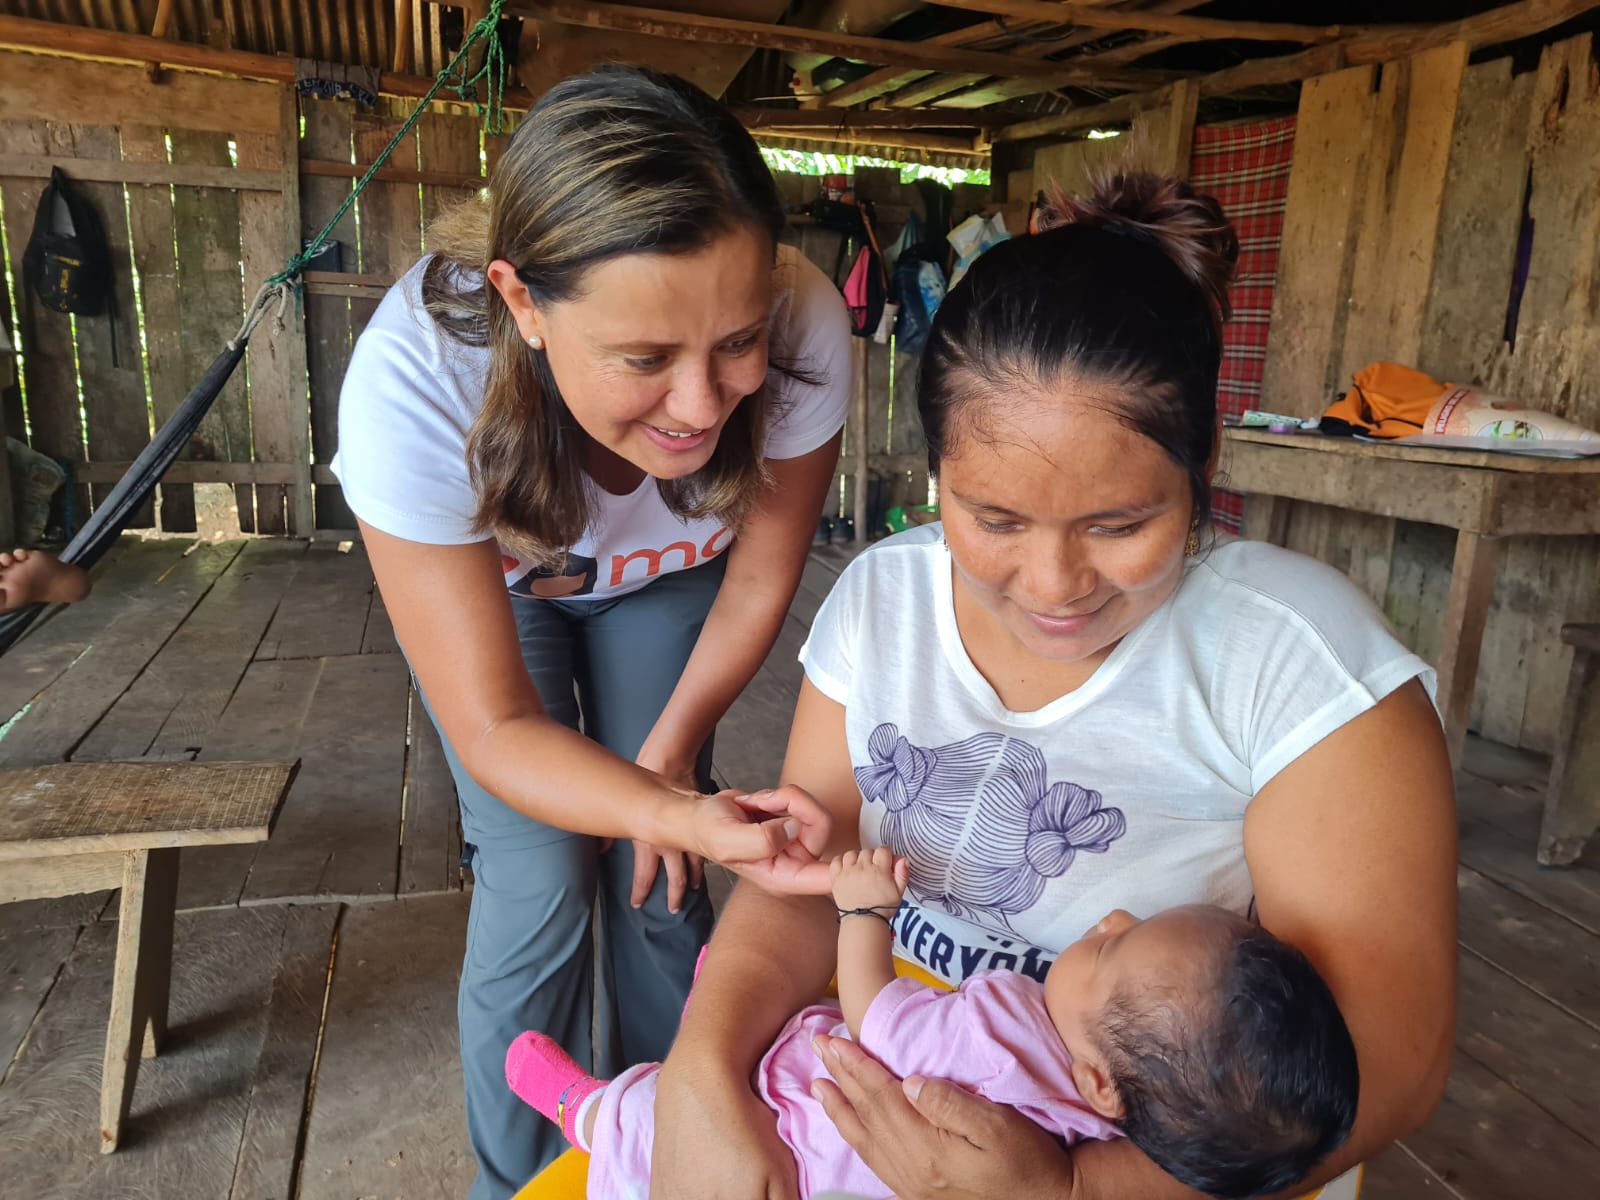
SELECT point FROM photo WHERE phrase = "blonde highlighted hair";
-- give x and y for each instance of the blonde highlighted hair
(618, 160)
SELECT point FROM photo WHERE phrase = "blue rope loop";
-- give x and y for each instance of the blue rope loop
(492, 74)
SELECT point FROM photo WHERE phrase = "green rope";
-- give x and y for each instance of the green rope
(492, 73)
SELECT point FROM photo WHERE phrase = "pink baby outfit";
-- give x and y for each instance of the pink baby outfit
(992, 1036)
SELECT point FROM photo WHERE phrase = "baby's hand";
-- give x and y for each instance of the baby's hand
(868, 878)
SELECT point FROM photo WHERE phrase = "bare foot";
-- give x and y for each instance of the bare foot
(34, 577)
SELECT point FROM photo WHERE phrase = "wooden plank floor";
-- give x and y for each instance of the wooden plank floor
(313, 1050)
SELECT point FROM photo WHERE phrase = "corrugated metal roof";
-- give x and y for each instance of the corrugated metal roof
(356, 32)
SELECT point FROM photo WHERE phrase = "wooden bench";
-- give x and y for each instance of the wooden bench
(67, 828)
(1572, 804)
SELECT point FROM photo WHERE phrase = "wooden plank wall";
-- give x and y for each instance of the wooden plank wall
(195, 211)
(1400, 241)
(192, 248)
(181, 240)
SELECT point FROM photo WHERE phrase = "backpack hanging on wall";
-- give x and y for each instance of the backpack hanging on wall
(67, 262)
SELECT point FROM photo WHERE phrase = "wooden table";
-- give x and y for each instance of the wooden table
(1483, 496)
(67, 828)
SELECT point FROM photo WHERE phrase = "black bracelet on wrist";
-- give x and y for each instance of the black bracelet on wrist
(873, 911)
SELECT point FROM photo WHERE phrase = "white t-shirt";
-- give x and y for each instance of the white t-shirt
(412, 392)
(1025, 828)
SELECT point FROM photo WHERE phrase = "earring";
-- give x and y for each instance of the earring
(536, 342)
(1191, 547)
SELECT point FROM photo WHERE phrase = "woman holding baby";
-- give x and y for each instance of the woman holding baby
(1071, 698)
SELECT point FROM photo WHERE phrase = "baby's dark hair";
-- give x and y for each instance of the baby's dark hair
(1242, 1093)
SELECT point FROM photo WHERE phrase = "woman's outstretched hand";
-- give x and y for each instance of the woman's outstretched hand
(928, 1138)
(684, 871)
(774, 838)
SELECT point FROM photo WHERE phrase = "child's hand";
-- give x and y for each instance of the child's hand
(868, 878)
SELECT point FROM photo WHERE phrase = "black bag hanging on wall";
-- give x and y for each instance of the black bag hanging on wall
(67, 262)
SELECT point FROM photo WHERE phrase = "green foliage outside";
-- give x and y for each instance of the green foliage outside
(814, 162)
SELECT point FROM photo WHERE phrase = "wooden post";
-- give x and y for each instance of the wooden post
(1572, 803)
(858, 439)
(302, 516)
(1466, 612)
(1172, 129)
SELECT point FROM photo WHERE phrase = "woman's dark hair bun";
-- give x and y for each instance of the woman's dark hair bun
(1165, 212)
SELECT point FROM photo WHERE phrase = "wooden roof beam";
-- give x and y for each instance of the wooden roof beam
(867, 18)
(726, 31)
(870, 87)
(1095, 116)
(1091, 16)
(901, 139)
(825, 120)
(996, 91)
(1504, 24)
(1132, 51)
(941, 89)
(975, 93)
(1081, 35)
(928, 90)
(888, 79)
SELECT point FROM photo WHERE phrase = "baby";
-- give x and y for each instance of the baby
(1211, 1044)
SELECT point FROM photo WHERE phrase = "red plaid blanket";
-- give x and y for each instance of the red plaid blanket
(1246, 167)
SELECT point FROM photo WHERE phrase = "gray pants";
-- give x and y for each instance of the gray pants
(543, 898)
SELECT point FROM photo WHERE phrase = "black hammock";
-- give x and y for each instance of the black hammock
(101, 530)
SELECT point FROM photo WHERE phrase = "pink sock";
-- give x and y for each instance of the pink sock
(544, 1075)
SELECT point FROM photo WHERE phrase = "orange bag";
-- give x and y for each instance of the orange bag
(1387, 401)
(1392, 401)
